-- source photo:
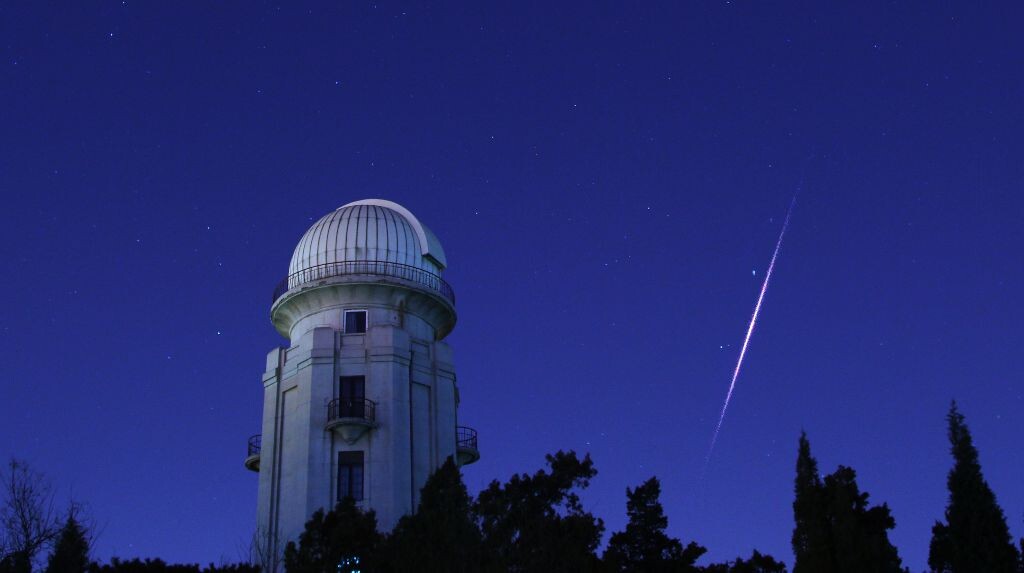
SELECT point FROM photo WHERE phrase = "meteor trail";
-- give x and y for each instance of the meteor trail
(750, 330)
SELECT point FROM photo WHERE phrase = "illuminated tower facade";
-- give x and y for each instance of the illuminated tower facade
(363, 401)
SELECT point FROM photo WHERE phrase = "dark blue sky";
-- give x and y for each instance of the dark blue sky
(606, 182)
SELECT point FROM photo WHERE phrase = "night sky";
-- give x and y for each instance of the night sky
(608, 182)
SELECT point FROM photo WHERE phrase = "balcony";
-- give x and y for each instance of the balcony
(359, 270)
(466, 450)
(350, 418)
(252, 459)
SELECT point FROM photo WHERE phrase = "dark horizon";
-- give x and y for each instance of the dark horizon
(608, 184)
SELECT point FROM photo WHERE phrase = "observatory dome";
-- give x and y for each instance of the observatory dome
(369, 230)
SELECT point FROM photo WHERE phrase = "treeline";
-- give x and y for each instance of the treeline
(537, 523)
(534, 523)
(530, 523)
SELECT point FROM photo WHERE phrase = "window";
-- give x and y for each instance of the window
(350, 475)
(355, 321)
(351, 394)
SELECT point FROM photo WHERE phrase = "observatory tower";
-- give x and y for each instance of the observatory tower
(363, 402)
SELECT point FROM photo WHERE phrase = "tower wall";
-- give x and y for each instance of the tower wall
(408, 374)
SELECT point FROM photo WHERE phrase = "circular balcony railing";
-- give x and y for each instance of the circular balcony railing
(466, 450)
(421, 277)
(255, 444)
(465, 438)
(357, 408)
(252, 457)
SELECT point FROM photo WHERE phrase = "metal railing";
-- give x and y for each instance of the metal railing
(255, 445)
(410, 273)
(351, 408)
(465, 437)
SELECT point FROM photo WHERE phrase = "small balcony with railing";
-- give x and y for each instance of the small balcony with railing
(350, 418)
(467, 449)
(252, 458)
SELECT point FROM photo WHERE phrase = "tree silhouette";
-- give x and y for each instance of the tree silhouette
(342, 540)
(758, 563)
(15, 562)
(810, 533)
(28, 518)
(974, 537)
(858, 532)
(1020, 555)
(643, 545)
(836, 531)
(441, 536)
(71, 552)
(536, 523)
(137, 565)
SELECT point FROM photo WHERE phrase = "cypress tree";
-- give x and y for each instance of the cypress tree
(810, 541)
(71, 552)
(643, 545)
(974, 537)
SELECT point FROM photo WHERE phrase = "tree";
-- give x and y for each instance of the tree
(643, 545)
(137, 565)
(836, 531)
(974, 537)
(810, 540)
(441, 535)
(71, 552)
(28, 520)
(858, 532)
(758, 563)
(342, 540)
(1020, 554)
(15, 562)
(537, 523)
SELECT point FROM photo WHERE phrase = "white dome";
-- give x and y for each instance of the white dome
(369, 230)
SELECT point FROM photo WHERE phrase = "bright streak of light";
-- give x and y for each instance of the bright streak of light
(750, 331)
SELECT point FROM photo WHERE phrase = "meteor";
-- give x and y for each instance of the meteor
(750, 331)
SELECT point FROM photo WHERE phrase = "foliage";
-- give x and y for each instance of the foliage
(341, 540)
(537, 523)
(974, 537)
(441, 535)
(15, 562)
(159, 566)
(810, 542)
(858, 531)
(71, 552)
(643, 545)
(758, 563)
(836, 531)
